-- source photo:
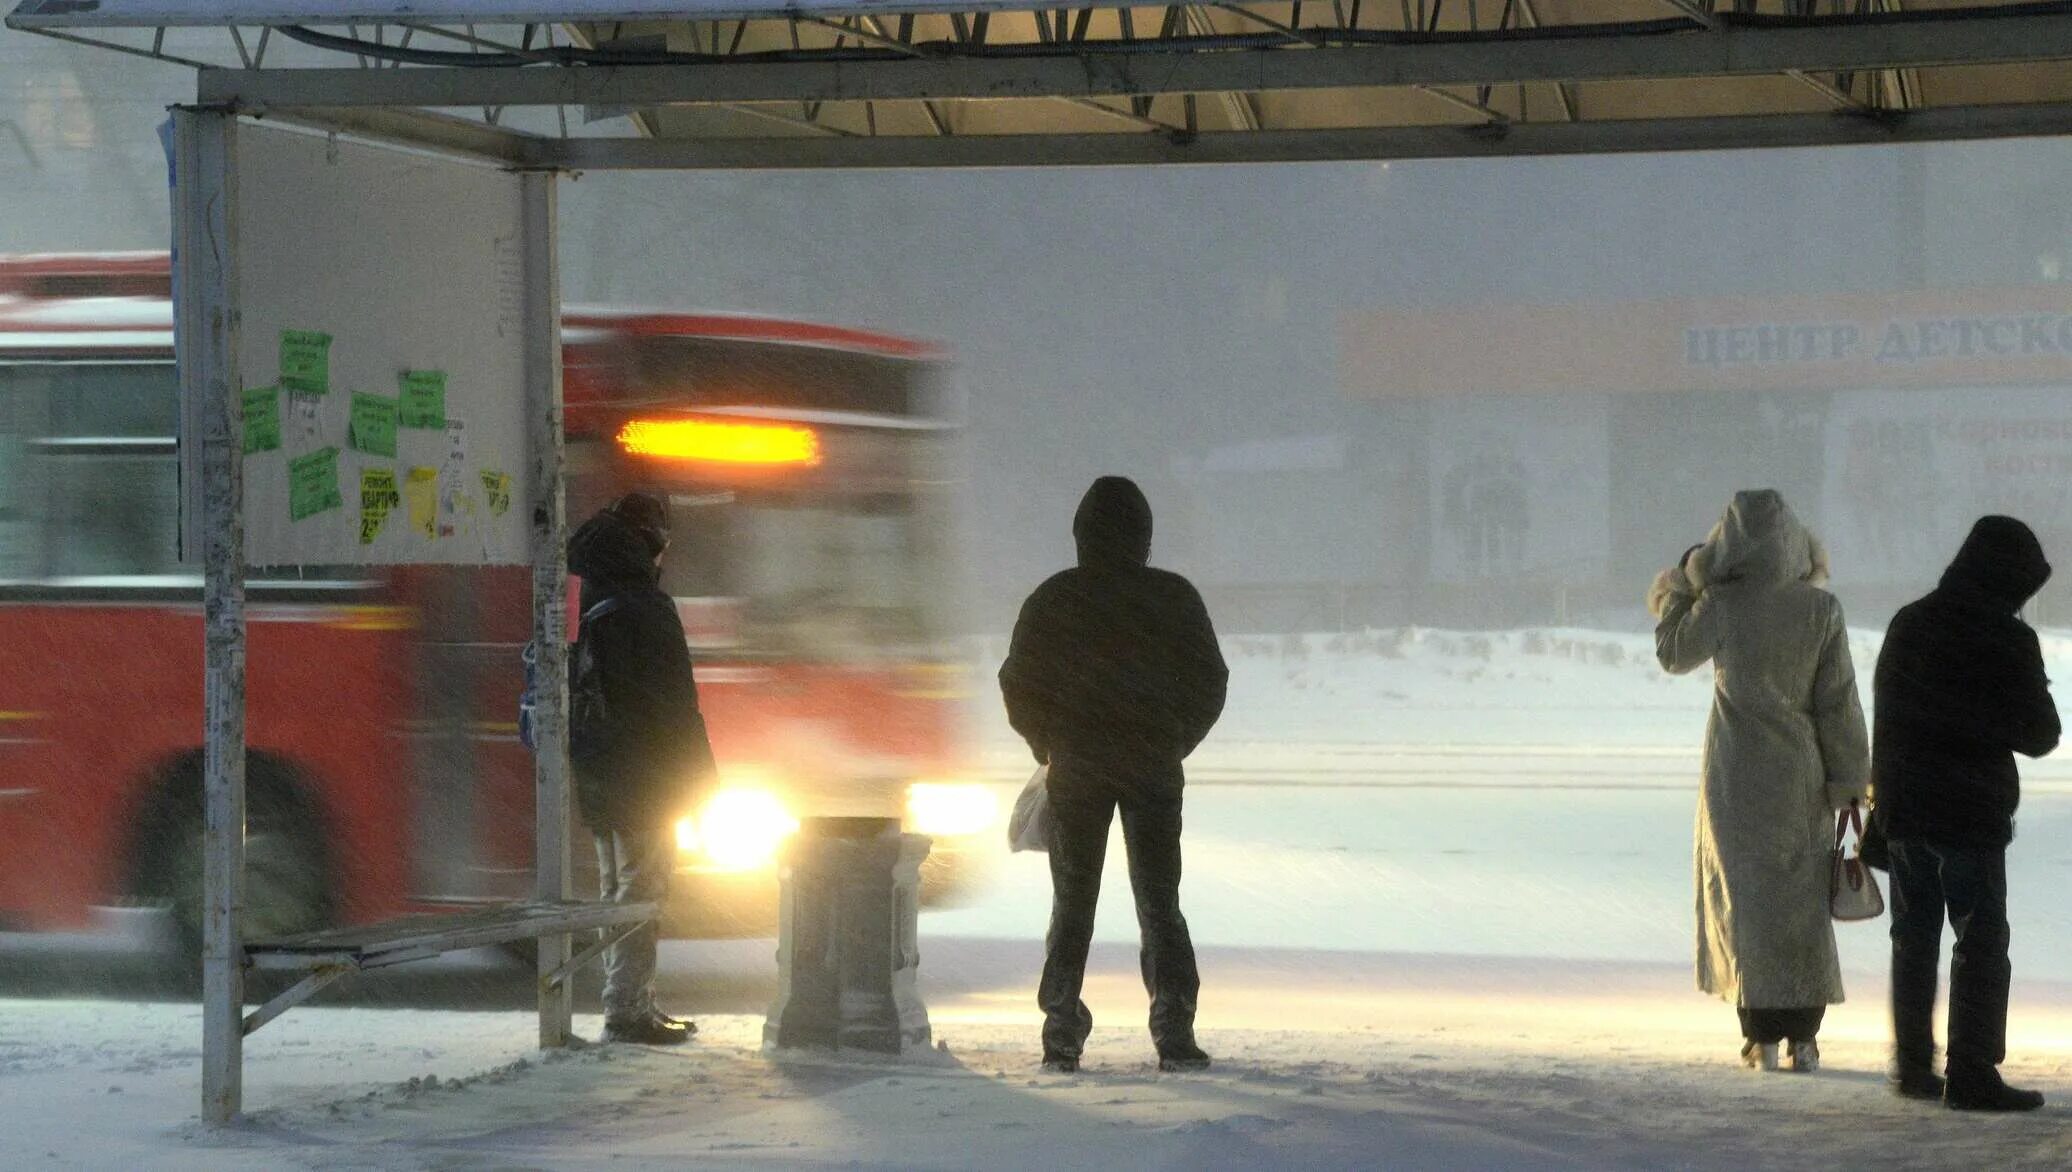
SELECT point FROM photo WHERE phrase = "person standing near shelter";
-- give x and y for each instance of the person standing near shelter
(1784, 750)
(637, 743)
(1960, 689)
(1113, 677)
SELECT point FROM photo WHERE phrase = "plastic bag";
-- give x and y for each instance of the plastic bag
(1028, 828)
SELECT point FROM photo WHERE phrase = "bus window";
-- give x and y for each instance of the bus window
(841, 579)
(130, 401)
(88, 487)
(699, 562)
(20, 422)
(112, 514)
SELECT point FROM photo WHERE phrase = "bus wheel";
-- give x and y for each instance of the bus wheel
(287, 872)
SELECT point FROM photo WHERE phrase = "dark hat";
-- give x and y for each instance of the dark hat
(1113, 524)
(647, 516)
(2002, 560)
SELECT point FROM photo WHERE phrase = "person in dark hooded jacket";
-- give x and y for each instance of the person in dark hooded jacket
(638, 746)
(1960, 689)
(1113, 677)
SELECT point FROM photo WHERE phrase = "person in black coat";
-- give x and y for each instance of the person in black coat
(1960, 689)
(637, 743)
(1113, 677)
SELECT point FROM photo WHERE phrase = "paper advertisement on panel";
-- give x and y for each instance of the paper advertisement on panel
(1908, 472)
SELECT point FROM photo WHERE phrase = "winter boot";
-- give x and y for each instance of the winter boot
(1759, 1055)
(689, 1027)
(644, 1030)
(1805, 1056)
(1916, 1083)
(1982, 1089)
(1183, 1059)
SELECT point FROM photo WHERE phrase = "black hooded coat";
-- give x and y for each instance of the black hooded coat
(651, 755)
(1960, 689)
(1113, 659)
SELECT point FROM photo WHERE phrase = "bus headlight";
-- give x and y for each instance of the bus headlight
(687, 839)
(738, 830)
(948, 810)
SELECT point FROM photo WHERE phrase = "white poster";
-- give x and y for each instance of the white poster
(1521, 488)
(1909, 471)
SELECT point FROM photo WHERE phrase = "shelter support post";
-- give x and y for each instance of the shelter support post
(205, 224)
(541, 319)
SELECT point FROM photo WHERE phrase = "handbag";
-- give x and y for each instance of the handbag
(1028, 828)
(1852, 891)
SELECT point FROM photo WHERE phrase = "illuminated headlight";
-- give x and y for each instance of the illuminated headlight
(948, 810)
(738, 830)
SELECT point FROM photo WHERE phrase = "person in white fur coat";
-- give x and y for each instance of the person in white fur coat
(1785, 749)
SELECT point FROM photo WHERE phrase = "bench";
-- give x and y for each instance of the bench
(326, 955)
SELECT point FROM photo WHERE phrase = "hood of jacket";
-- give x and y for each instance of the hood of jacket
(1759, 541)
(1113, 524)
(607, 551)
(2001, 563)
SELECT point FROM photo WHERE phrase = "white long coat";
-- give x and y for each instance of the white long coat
(1784, 749)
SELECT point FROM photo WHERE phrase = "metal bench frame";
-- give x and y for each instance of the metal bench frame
(332, 953)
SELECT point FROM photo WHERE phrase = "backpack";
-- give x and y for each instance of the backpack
(586, 715)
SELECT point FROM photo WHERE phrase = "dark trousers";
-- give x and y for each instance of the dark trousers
(1084, 797)
(1970, 886)
(1767, 1026)
(633, 867)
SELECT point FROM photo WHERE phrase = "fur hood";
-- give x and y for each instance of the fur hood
(1759, 541)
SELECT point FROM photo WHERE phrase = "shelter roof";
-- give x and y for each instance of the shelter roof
(747, 83)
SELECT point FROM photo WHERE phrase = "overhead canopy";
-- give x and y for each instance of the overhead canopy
(743, 83)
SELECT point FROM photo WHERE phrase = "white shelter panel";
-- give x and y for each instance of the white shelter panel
(382, 354)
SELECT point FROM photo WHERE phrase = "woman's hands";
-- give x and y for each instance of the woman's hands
(1672, 585)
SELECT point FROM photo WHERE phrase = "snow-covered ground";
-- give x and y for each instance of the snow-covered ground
(1325, 1061)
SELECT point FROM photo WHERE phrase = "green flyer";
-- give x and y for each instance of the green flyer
(424, 399)
(374, 425)
(313, 484)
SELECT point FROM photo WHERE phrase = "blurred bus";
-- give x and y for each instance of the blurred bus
(807, 467)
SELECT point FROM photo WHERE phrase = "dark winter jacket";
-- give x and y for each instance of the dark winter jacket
(1960, 689)
(646, 770)
(1114, 659)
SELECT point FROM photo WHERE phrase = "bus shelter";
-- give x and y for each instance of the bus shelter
(365, 253)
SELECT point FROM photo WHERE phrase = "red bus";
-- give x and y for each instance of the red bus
(808, 469)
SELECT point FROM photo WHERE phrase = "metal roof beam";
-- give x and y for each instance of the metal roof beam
(1085, 71)
(1269, 146)
(424, 131)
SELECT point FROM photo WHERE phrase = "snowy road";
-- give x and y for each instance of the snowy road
(1544, 869)
(1551, 870)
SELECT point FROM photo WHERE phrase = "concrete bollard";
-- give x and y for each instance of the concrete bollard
(847, 953)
